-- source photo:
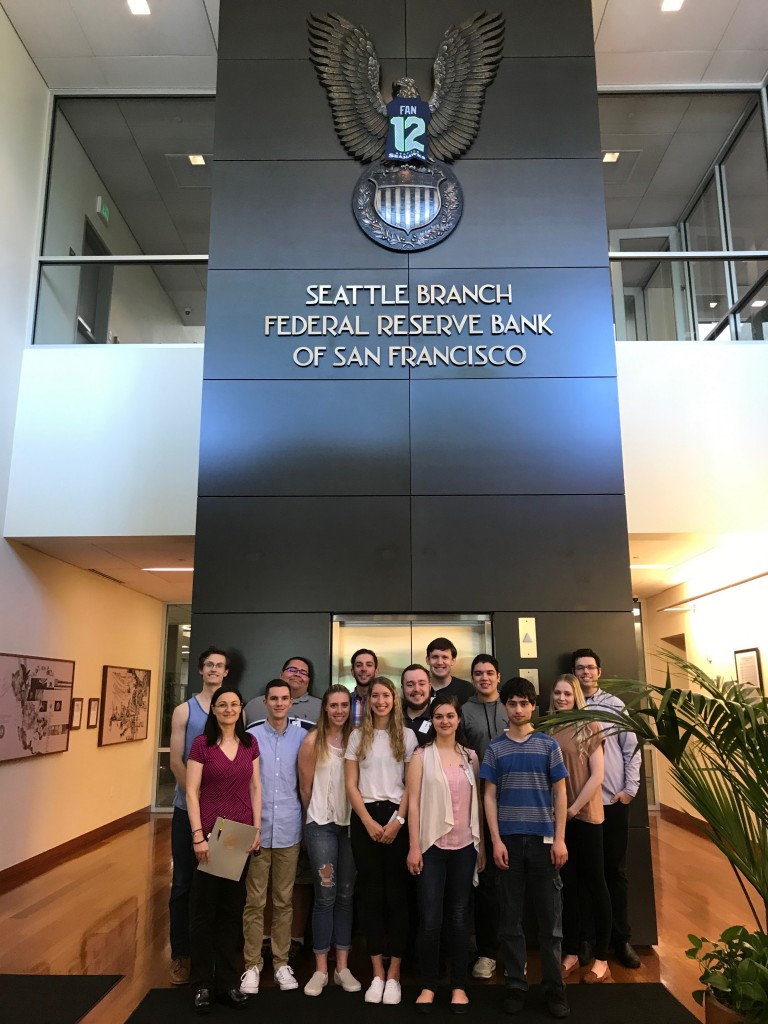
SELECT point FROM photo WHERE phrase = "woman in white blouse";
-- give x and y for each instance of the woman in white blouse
(375, 762)
(446, 849)
(326, 835)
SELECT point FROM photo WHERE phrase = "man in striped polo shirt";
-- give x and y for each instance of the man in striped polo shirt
(525, 807)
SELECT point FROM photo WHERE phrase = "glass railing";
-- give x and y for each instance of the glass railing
(690, 296)
(111, 300)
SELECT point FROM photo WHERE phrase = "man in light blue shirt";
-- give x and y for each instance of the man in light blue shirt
(279, 743)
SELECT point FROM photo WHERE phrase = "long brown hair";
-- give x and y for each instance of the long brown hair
(321, 733)
(582, 731)
(395, 727)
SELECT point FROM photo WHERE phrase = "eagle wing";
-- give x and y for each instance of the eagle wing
(347, 65)
(465, 66)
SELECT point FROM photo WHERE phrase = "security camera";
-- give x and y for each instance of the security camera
(187, 311)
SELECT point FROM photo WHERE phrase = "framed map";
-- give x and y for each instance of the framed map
(35, 705)
(124, 705)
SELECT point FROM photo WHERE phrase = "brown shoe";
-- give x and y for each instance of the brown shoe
(590, 978)
(180, 970)
(568, 971)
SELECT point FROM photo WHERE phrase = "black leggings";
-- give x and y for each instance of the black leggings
(382, 882)
(584, 880)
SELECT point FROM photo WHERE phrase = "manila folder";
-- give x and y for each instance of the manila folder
(228, 846)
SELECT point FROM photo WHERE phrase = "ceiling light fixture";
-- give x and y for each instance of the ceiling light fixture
(758, 303)
(139, 7)
(671, 5)
(611, 158)
(197, 159)
(713, 305)
(168, 568)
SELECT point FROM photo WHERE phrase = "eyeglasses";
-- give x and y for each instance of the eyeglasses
(214, 664)
(291, 670)
(219, 706)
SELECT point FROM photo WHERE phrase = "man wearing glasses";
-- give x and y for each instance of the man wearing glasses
(305, 709)
(187, 724)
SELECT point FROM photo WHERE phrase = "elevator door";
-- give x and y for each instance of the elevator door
(399, 641)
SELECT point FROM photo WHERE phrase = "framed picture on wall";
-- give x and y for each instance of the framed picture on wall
(77, 713)
(35, 705)
(93, 712)
(124, 705)
(749, 671)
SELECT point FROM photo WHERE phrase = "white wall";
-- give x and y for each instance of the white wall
(48, 608)
(107, 441)
(141, 311)
(694, 424)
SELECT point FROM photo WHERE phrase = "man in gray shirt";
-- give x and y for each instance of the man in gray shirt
(305, 709)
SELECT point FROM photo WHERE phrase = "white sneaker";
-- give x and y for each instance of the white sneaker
(286, 979)
(347, 980)
(484, 968)
(316, 984)
(391, 995)
(249, 983)
(376, 991)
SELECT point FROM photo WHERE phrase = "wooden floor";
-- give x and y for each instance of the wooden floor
(107, 912)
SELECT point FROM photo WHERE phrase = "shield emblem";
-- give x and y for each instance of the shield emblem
(407, 207)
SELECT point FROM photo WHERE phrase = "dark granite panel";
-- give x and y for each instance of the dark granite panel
(302, 554)
(279, 30)
(534, 28)
(256, 121)
(526, 213)
(259, 645)
(549, 553)
(535, 108)
(529, 436)
(576, 302)
(236, 342)
(284, 214)
(304, 437)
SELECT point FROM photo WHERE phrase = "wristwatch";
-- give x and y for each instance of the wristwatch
(399, 819)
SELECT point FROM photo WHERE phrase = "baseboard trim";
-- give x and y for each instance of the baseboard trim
(677, 817)
(26, 870)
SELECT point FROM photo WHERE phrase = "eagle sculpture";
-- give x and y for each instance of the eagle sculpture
(348, 67)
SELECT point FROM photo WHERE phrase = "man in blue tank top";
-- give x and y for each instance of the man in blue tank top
(186, 725)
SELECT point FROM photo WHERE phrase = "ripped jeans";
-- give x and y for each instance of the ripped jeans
(333, 876)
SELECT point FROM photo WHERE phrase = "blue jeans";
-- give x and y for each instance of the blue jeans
(445, 881)
(531, 868)
(184, 864)
(333, 876)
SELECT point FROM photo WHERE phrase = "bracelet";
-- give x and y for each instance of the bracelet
(196, 830)
(199, 842)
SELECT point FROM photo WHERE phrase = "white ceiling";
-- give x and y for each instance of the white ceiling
(92, 45)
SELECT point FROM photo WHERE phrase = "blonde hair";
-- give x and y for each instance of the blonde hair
(582, 731)
(321, 733)
(395, 727)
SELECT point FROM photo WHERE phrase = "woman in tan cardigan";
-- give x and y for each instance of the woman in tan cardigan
(446, 848)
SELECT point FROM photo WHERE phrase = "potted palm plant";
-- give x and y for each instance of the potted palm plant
(714, 734)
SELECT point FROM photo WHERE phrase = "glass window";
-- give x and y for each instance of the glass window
(745, 179)
(128, 177)
(175, 680)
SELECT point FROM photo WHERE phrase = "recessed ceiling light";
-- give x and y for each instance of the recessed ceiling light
(758, 303)
(610, 158)
(197, 159)
(168, 568)
(649, 565)
(671, 5)
(713, 305)
(139, 7)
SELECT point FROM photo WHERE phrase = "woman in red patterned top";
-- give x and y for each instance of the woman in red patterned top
(222, 781)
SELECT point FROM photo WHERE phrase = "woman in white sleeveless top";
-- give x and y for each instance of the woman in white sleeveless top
(326, 835)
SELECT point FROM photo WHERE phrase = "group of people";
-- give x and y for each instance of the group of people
(440, 803)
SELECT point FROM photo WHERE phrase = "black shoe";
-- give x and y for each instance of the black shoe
(423, 1007)
(233, 997)
(557, 1004)
(459, 1007)
(626, 956)
(202, 1000)
(514, 1000)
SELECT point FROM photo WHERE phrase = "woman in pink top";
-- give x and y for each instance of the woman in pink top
(446, 848)
(583, 875)
(222, 781)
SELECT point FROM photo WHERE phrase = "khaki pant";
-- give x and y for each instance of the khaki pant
(281, 865)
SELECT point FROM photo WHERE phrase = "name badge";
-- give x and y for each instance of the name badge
(548, 840)
(425, 726)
